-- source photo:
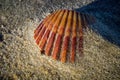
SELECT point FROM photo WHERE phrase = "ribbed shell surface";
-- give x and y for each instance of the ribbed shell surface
(60, 35)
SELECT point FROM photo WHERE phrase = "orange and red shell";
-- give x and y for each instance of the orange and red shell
(60, 35)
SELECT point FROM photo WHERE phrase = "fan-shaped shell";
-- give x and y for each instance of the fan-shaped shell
(60, 35)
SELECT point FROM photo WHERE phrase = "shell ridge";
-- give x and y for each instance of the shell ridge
(43, 29)
(41, 23)
(49, 44)
(63, 34)
(56, 51)
(80, 46)
(66, 38)
(47, 31)
(40, 35)
(37, 30)
(73, 47)
(53, 33)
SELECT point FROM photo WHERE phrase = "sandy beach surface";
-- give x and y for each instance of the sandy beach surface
(20, 57)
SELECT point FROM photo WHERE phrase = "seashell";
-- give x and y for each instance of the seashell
(60, 34)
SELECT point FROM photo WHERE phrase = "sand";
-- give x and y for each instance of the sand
(20, 57)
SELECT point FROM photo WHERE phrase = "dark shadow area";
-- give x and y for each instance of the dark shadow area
(107, 14)
(1, 37)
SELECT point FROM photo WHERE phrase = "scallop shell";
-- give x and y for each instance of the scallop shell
(60, 35)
